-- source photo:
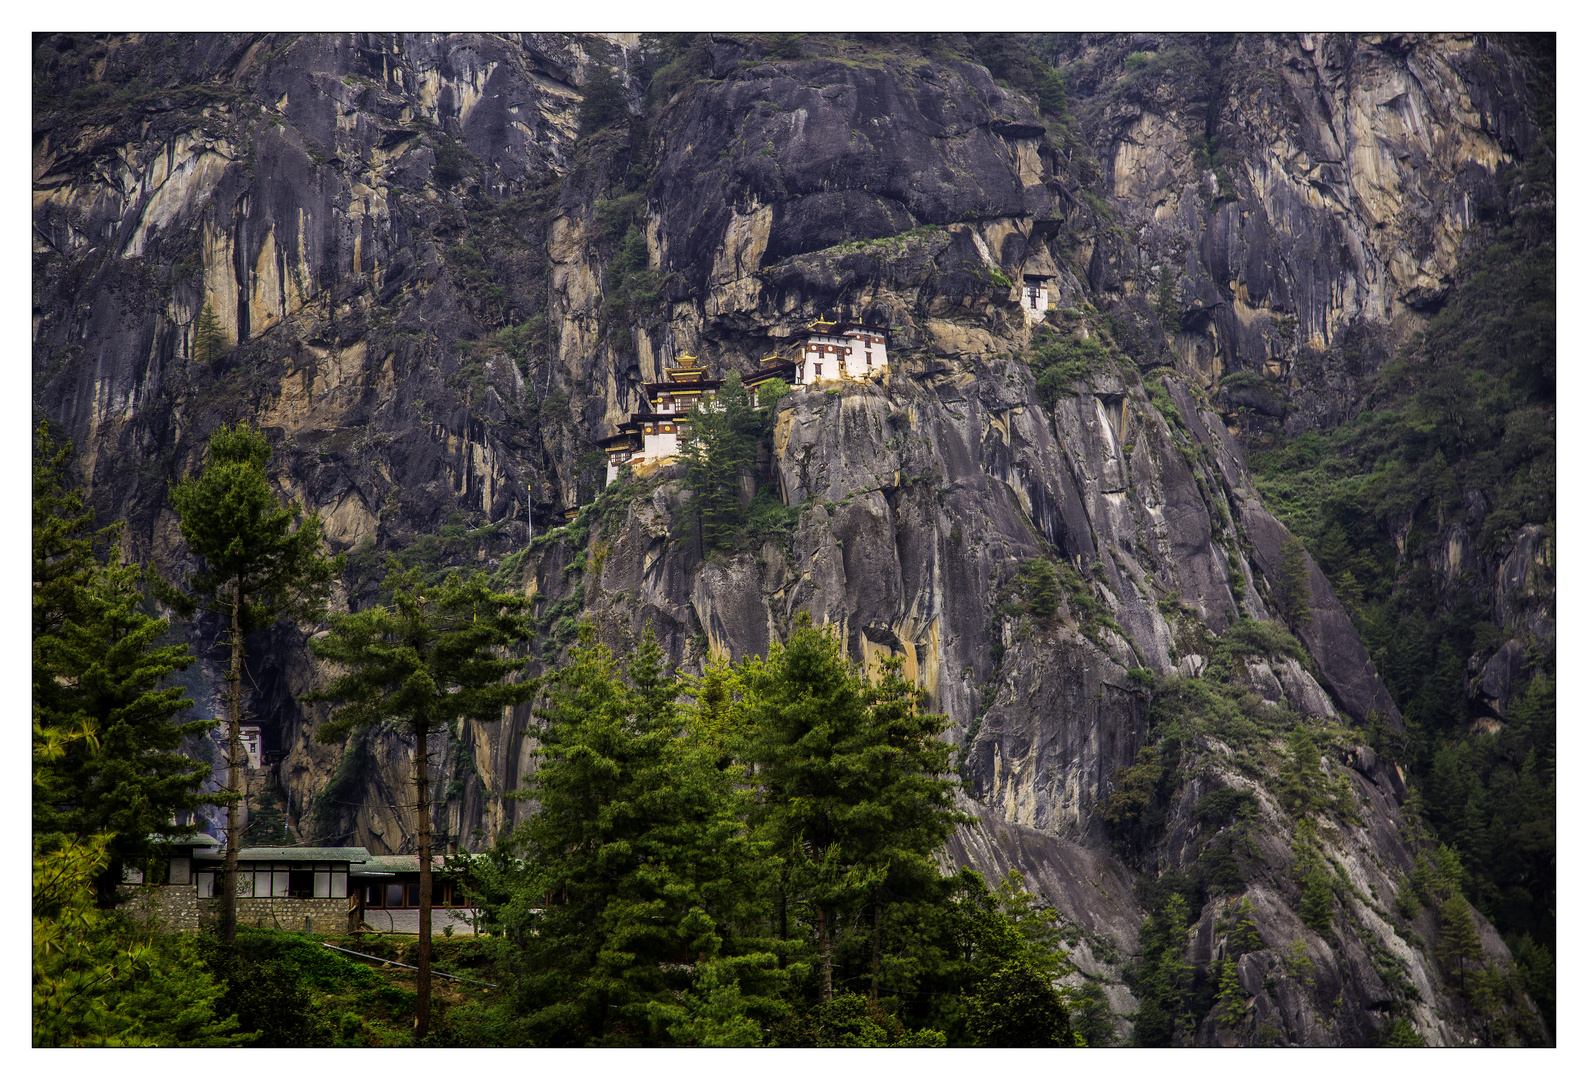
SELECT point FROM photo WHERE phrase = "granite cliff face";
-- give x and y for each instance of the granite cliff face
(425, 270)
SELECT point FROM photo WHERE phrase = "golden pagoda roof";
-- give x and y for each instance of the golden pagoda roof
(686, 368)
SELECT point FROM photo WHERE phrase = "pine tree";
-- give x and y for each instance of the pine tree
(209, 338)
(431, 659)
(1299, 775)
(1232, 1001)
(255, 570)
(717, 450)
(637, 869)
(1244, 938)
(1310, 873)
(1017, 1006)
(102, 719)
(1163, 985)
(1458, 937)
(905, 806)
(1293, 589)
(852, 782)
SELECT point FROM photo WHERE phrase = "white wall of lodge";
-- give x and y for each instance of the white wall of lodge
(855, 354)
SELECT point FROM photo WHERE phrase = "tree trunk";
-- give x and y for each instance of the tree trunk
(824, 945)
(422, 782)
(234, 759)
(876, 943)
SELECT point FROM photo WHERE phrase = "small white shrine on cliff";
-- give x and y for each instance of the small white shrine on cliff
(834, 351)
(1034, 295)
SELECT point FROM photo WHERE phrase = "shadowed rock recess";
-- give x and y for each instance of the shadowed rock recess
(442, 271)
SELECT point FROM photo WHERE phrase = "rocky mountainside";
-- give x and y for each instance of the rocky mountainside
(442, 265)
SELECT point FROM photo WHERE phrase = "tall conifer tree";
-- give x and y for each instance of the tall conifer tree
(853, 786)
(434, 657)
(718, 449)
(255, 569)
(104, 725)
(637, 864)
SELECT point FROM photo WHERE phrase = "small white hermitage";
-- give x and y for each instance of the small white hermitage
(834, 351)
(1034, 296)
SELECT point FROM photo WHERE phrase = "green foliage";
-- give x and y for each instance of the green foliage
(850, 1020)
(1058, 361)
(1536, 966)
(1164, 303)
(250, 555)
(1312, 877)
(676, 61)
(1293, 591)
(1221, 804)
(1134, 806)
(100, 980)
(1097, 206)
(1401, 1034)
(1299, 776)
(718, 450)
(1458, 939)
(1051, 96)
(1244, 380)
(635, 868)
(855, 796)
(1016, 1005)
(784, 45)
(429, 659)
(1163, 977)
(432, 659)
(1232, 1001)
(1090, 1016)
(107, 758)
(633, 292)
(253, 570)
(768, 516)
(450, 160)
(1244, 938)
(209, 338)
(603, 101)
(1040, 584)
(737, 867)
(1164, 403)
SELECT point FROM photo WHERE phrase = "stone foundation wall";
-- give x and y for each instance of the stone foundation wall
(179, 908)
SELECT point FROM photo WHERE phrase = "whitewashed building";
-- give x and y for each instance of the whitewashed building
(1034, 296)
(834, 351)
(655, 433)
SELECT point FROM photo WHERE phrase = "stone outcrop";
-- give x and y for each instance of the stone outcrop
(414, 253)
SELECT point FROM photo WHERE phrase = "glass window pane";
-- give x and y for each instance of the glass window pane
(206, 885)
(394, 894)
(245, 883)
(338, 883)
(322, 883)
(181, 870)
(278, 886)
